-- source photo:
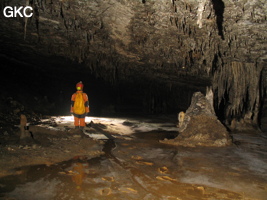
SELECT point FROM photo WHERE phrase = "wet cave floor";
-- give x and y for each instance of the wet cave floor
(121, 158)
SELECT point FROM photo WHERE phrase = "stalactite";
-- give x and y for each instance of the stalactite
(240, 82)
(25, 21)
(61, 10)
(201, 9)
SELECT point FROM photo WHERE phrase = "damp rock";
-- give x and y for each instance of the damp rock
(199, 126)
(75, 131)
(105, 191)
(77, 136)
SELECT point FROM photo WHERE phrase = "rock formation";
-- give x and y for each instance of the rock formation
(199, 126)
(26, 136)
(23, 125)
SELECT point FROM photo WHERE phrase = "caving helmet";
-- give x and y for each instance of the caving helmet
(79, 86)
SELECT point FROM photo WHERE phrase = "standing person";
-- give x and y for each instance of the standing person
(79, 106)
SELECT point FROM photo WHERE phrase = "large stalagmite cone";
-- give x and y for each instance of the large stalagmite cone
(199, 126)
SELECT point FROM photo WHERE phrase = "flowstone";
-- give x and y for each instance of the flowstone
(199, 126)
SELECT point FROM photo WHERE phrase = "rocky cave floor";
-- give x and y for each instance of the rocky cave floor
(121, 158)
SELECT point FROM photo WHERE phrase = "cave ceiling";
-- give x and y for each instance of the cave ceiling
(170, 40)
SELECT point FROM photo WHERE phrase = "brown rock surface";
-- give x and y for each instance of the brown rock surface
(48, 147)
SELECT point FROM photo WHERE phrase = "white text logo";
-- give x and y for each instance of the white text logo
(20, 11)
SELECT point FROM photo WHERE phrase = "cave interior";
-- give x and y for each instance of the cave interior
(136, 57)
(141, 58)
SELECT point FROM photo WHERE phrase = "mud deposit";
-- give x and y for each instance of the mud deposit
(123, 159)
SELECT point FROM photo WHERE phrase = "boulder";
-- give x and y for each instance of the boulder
(199, 126)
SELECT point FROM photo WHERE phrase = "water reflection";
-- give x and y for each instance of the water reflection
(78, 175)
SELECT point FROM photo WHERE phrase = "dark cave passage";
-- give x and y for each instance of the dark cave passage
(41, 85)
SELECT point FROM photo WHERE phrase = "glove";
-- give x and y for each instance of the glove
(71, 110)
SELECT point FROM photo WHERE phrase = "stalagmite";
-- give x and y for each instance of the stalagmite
(181, 118)
(199, 126)
(23, 125)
